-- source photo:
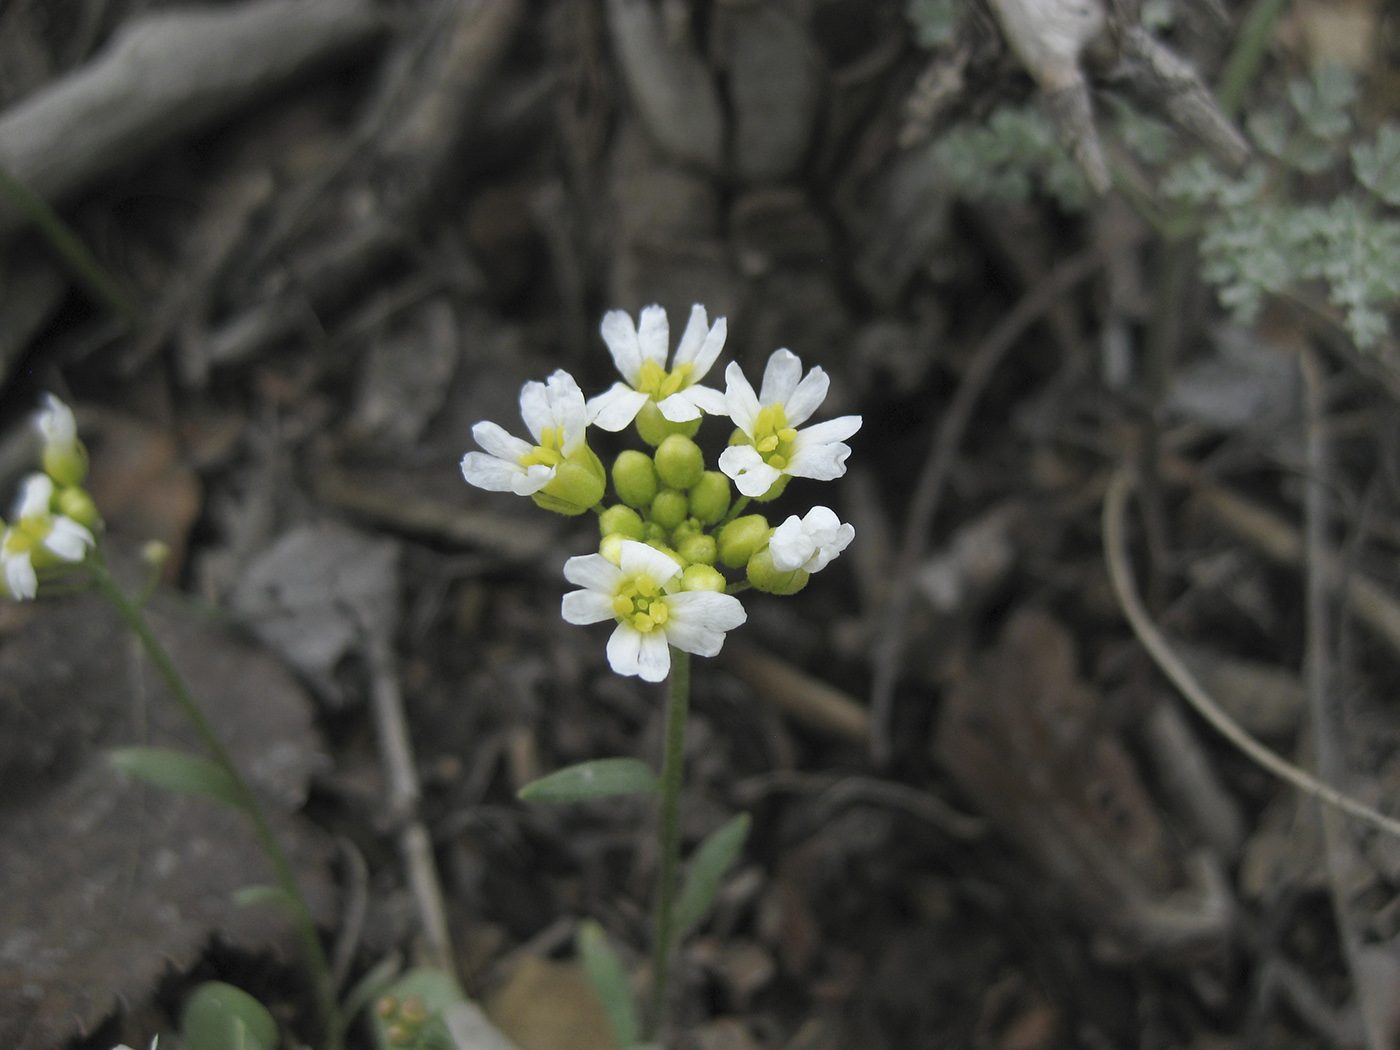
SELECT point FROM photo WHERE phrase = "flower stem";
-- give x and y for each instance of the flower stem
(672, 778)
(739, 505)
(135, 619)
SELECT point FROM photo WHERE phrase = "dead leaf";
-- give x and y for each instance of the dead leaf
(547, 1005)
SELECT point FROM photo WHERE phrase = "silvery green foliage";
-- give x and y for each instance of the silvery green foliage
(1015, 152)
(935, 22)
(1258, 240)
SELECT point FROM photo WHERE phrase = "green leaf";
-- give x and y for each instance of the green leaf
(598, 779)
(250, 895)
(1377, 163)
(218, 1016)
(604, 968)
(715, 856)
(177, 771)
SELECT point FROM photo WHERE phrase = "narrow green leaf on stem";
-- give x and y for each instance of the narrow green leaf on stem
(715, 856)
(251, 895)
(609, 977)
(69, 247)
(601, 778)
(177, 771)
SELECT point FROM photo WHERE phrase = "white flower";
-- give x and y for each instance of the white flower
(651, 616)
(557, 418)
(769, 421)
(640, 355)
(39, 534)
(811, 542)
(56, 424)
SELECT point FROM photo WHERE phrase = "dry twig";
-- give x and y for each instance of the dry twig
(1120, 573)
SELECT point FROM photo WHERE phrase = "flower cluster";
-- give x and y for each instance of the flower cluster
(674, 542)
(54, 516)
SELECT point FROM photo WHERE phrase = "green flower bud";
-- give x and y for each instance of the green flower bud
(679, 462)
(634, 478)
(577, 485)
(741, 537)
(698, 548)
(702, 578)
(654, 428)
(611, 547)
(77, 504)
(709, 497)
(622, 520)
(689, 527)
(669, 508)
(66, 464)
(766, 577)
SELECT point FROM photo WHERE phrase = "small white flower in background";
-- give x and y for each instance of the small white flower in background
(56, 424)
(640, 355)
(64, 457)
(811, 542)
(769, 420)
(649, 616)
(39, 537)
(557, 418)
(123, 1046)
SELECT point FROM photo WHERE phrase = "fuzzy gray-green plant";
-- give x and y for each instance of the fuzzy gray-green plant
(1263, 233)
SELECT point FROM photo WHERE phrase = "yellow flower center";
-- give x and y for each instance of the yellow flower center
(661, 384)
(549, 451)
(773, 437)
(28, 533)
(641, 603)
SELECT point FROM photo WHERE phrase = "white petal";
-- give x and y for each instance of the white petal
(594, 572)
(838, 429)
(692, 338)
(819, 460)
(582, 607)
(790, 545)
(55, 422)
(616, 407)
(654, 656)
(20, 576)
(621, 336)
(709, 400)
(640, 559)
(698, 620)
(501, 444)
(830, 547)
(489, 473)
(679, 408)
(532, 479)
(654, 334)
(710, 349)
(624, 650)
(567, 409)
(742, 402)
(35, 494)
(535, 408)
(780, 377)
(67, 539)
(808, 396)
(751, 475)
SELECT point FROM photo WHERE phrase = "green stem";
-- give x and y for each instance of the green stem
(69, 247)
(672, 778)
(267, 839)
(739, 505)
(1249, 52)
